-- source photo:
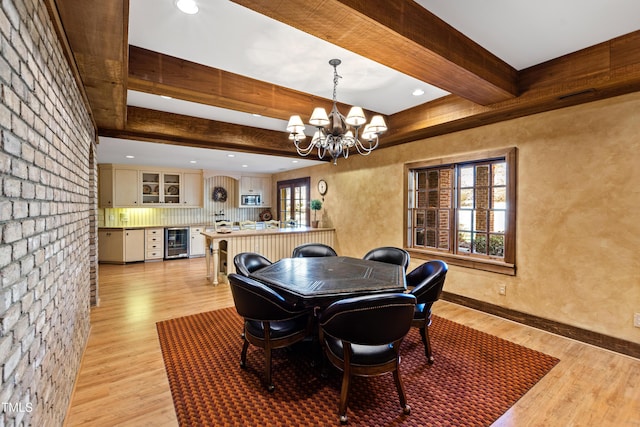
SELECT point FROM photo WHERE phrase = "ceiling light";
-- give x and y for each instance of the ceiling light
(231, 155)
(165, 97)
(187, 6)
(245, 166)
(417, 92)
(193, 161)
(130, 157)
(335, 133)
(256, 115)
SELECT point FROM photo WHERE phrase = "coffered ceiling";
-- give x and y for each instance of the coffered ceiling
(477, 62)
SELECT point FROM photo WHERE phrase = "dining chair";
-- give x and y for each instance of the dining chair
(248, 262)
(269, 321)
(247, 225)
(273, 223)
(425, 283)
(313, 250)
(390, 255)
(362, 335)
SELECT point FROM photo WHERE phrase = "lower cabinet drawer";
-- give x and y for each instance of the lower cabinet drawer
(154, 254)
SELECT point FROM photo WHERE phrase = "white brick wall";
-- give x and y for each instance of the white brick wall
(48, 275)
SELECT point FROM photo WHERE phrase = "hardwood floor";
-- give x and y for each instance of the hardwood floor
(122, 380)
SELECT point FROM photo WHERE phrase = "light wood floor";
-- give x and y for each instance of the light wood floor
(122, 380)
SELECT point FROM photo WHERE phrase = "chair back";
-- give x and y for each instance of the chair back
(256, 301)
(427, 281)
(369, 320)
(247, 225)
(390, 255)
(248, 262)
(313, 250)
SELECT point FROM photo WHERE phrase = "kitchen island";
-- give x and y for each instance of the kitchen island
(273, 244)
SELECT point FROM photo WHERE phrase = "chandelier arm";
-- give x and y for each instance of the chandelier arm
(365, 151)
(303, 151)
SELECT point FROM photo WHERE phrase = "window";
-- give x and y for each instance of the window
(463, 210)
(293, 201)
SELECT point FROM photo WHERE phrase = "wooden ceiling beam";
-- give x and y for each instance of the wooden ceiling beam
(608, 69)
(404, 36)
(98, 35)
(159, 74)
(157, 126)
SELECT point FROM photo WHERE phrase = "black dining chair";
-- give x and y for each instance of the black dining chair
(425, 283)
(269, 321)
(313, 250)
(390, 255)
(362, 335)
(248, 262)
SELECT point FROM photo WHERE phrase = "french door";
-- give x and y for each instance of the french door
(293, 201)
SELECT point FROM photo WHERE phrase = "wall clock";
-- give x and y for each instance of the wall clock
(322, 187)
(219, 194)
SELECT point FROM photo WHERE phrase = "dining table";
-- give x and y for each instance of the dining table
(316, 282)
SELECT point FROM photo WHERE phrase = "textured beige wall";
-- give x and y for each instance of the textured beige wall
(578, 203)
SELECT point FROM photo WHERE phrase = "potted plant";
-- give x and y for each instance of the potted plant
(316, 205)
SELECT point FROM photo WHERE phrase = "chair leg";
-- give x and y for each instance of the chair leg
(401, 394)
(424, 334)
(346, 379)
(243, 355)
(344, 395)
(267, 369)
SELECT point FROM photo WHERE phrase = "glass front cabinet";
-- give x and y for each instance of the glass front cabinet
(160, 187)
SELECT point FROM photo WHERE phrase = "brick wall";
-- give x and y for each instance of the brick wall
(47, 218)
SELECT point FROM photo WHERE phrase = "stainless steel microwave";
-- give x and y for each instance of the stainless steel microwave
(250, 200)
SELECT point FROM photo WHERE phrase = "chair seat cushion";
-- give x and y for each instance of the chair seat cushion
(362, 354)
(279, 329)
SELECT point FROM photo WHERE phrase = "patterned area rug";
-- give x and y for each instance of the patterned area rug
(476, 377)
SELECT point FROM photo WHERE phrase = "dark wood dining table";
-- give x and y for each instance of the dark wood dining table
(316, 282)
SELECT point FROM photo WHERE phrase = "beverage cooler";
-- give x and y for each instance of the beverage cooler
(176, 242)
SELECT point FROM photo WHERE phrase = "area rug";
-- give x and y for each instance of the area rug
(476, 377)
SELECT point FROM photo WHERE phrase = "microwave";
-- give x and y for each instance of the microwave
(250, 200)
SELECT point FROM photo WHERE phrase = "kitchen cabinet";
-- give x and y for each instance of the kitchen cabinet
(125, 186)
(154, 244)
(117, 187)
(160, 188)
(192, 194)
(197, 248)
(120, 246)
(134, 245)
(111, 246)
(254, 185)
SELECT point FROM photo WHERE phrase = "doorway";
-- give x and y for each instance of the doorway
(293, 201)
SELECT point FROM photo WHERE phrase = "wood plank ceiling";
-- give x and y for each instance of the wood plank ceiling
(483, 88)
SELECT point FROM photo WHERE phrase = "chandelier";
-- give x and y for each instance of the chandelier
(335, 133)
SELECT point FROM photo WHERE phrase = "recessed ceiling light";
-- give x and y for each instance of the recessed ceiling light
(193, 161)
(187, 6)
(130, 157)
(417, 92)
(165, 97)
(256, 115)
(245, 166)
(294, 161)
(231, 155)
